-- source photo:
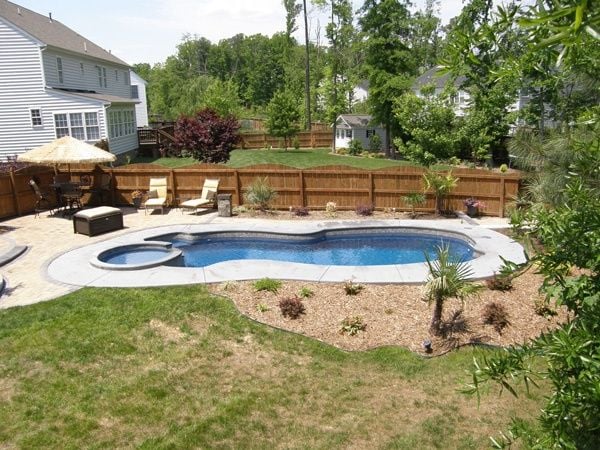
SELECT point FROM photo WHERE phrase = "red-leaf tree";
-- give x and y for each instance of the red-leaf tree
(208, 136)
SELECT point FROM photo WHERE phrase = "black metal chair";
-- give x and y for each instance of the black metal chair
(102, 187)
(43, 201)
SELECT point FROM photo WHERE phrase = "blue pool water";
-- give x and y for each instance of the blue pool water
(134, 256)
(359, 249)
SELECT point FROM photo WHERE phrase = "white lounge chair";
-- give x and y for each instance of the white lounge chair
(157, 195)
(207, 197)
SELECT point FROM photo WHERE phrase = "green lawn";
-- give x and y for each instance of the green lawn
(180, 368)
(299, 159)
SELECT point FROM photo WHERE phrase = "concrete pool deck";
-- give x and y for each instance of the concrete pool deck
(35, 276)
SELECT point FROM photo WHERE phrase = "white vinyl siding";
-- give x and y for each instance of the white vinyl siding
(138, 91)
(91, 79)
(122, 129)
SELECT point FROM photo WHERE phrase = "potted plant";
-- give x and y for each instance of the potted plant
(473, 205)
(137, 196)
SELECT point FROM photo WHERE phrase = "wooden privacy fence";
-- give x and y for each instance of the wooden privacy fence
(306, 139)
(311, 188)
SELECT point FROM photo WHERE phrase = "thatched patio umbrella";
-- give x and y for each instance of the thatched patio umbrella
(66, 150)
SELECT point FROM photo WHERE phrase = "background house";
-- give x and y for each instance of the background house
(138, 92)
(359, 127)
(54, 82)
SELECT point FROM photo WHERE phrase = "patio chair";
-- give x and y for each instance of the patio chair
(42, 202)
(101, 187)
(207, 197)
(157, 195)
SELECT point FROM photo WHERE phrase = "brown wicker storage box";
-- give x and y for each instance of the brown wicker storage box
(97, 220)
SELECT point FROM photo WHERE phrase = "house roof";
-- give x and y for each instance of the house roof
(432, 76)
(106, 98)
(53, 33)
(356, 120)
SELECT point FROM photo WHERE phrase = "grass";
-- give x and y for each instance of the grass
(180, 368)
(299, 159)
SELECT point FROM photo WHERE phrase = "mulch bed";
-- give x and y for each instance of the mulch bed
(395, 314)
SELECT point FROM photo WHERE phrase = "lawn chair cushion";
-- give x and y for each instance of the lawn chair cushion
(196, 203)
(155, 202)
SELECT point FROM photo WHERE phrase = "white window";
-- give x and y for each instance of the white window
(126, 78)
(104, 75)
(134, 91)
(99, 69)
(36, 117)
(81, 69)
(59, 70)
(349, 134)
(121, 123)
(82, 126)
(116, 75)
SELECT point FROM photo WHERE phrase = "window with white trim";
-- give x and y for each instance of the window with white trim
(81, 69)
(104, 75)
(36, 117)
(349, 133)
(126, 78)
(82, 126)
(134, 91)
(101, 76)
(121, 123)
(59, 70)
(116, 75)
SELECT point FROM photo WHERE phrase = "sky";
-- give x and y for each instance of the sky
(149, 30)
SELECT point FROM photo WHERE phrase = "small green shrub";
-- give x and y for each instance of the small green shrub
(495, 314)
(355, 147)
(305, 292)
(353, 325)
(503, 168)
(331, 209)
(267, 284)
(261, 307)
(260, 194)
(364, 210)
(413, 200)
(342, 151)
(352, 288)
(296, 143)
(375, 143)
(291, 307)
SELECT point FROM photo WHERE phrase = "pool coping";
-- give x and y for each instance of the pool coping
(74, 267)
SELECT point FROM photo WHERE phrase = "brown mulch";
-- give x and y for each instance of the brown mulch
(396, 314)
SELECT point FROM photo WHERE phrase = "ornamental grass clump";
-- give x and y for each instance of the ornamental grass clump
(352, 288)
(353, 325)
(267, 284)
(260, 194)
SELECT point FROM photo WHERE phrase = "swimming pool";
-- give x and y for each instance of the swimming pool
(484, 249)
(356, 247)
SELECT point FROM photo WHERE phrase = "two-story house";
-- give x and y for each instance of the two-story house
(55, 82)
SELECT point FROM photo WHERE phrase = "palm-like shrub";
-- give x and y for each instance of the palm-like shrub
(441, 185)
(260, 194)
(448, 278)
(413, 200)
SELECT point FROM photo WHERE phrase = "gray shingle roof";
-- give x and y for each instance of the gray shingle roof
(357, 120)
(53, 33)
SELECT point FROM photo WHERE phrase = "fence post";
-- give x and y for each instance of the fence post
(238, 190)
(301, 178)
(502, 196)
(173, 186)
(13, 188)
(112, 186)
(371, 190)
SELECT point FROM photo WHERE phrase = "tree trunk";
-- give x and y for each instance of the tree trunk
(436, 320)
(307, 73)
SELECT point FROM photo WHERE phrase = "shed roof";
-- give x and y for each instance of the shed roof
(356, 120)
(53, 33)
